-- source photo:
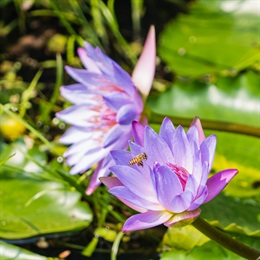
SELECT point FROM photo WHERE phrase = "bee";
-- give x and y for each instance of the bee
(138, 159)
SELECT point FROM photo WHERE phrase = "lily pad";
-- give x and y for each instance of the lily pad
(8, 251)
(34, 201)
(209, 40)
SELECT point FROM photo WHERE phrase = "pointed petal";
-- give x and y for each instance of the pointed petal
(182, 151)
(167, 185)
(144, 70)
(126, 195)
(202, 195)
(110, 182)
(138, 132)
(114, 135)
(183, 219)
(77, 115)
(121, 157)
(181, 202)
(127, 114)
(88, 63)
(157, 149)
(134, 181)
(167, 131)
(89, 160)
(197, 123)
(208, 147)
(76, 93)
(102, 170)
(115, 100)
(218, 182)
(146, 220)
(74, 135)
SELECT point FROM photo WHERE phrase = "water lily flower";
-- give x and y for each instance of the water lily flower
(105, 102)
(171, 182)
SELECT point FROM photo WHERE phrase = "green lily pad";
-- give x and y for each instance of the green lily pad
(8, 251)
(230, 99)
(34, 201)
(209, 40)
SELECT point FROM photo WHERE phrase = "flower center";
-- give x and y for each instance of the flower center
(181, 173)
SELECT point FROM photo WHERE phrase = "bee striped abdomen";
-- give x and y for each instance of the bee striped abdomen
(138, 159)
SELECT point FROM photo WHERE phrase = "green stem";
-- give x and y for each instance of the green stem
(225, 240)
(155, 118)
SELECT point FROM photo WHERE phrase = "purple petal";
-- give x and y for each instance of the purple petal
(167, 132)
(202, 195)
(116, 100)
(181, 150)
(75, 93)
(144, 70)
(218, 182)
(74, 135)
(111, 182)
(167, 185)
(88, 63)
(208, 147)
(157, 149)
(138, 132)
(187, 217)
(196, 122)
(127, 114)
(116, 134)
(146, 220)
(89, 160)
(126, 195)
(135, 181)
(121, 157)
(78, 115)
(102, 170)
(181, 202)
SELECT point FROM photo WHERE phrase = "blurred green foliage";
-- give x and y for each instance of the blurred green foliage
(208, 65)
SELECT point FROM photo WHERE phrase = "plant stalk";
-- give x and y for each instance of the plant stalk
(225, 240)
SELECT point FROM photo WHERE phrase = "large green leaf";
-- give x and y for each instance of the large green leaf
(189, 243)
(209, 40)
(231, 99)
(8, 251)
(35, 201)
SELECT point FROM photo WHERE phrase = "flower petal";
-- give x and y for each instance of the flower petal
(182, 151)
(121, 157)
(88, 63)
(208, 147)
(111, 182)
(218, 182)
(167, 132)
(77, 115)
(89, 160)
(183, 219)
(144, 70)
(138, 133)
(75, 93)
(146, 220)
(74, 135)
(125, 194)
(134, 181)
(196, 122)
(181, 202)
(157, 149)
(167, 185)
(102, 170)
(127, 114)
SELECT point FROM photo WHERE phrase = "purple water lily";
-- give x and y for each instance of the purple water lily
(171, 182)
(105, 102)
